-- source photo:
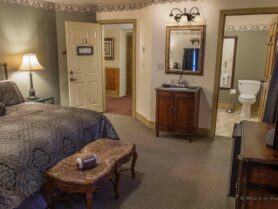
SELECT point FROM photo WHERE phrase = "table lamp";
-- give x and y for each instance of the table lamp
(30, 63)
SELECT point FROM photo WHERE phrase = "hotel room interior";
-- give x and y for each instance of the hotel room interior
(138, 104)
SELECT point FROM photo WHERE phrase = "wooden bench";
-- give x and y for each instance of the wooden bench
(111, 153)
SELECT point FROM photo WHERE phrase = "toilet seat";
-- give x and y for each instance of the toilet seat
(247, 97)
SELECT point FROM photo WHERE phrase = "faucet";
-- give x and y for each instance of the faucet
(182, 82)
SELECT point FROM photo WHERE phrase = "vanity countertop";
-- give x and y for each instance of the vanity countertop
(180, 89)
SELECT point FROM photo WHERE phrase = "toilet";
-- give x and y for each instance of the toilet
(248, 90)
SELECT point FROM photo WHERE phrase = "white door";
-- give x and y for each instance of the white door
(85, 71)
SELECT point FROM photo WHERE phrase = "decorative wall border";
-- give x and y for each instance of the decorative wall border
(91, 8)
(253, 27)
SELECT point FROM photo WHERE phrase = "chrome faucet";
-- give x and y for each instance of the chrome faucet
(182, 82)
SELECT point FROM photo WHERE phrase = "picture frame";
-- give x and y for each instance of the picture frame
(109, 48)
(85, 50)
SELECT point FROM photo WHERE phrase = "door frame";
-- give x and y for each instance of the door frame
(134, 55)
(221, 32)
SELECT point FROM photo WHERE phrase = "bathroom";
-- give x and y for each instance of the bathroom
(243, 64)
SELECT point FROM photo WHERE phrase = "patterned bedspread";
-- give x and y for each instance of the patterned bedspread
(34, 137)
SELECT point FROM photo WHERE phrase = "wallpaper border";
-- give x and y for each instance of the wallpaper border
(251, 27)
(91, 8)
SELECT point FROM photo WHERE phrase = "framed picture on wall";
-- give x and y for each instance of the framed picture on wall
(109, 48)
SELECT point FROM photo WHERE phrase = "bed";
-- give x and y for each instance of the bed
(33, 138)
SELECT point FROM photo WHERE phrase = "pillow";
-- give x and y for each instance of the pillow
(2, 109)
(10, 94)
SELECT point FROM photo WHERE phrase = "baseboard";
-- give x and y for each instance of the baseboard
(111, 93)
(151, 124)
(254, 108)
(223, 105)
(203, 132)
(145, 121)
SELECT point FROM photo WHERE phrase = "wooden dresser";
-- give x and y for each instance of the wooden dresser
(177, 110)
(255, 167)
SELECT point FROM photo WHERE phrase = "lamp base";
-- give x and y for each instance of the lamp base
(32, 98)
(32, 95)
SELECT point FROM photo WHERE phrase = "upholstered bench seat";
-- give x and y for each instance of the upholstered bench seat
(111, 153)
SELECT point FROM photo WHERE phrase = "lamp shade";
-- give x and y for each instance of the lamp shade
(199, 19)
(30, 62)
(184, 19)
(171, 20)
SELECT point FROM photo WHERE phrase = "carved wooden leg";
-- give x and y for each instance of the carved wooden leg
(190, 138)
(157, 133)
(134, 158)
(89, 200)
(117, 180)
(50, 197)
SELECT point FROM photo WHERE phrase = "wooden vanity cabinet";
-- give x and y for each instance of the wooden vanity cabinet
(177, 111)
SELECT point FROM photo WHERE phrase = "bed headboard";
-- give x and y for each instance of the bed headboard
(5, 68)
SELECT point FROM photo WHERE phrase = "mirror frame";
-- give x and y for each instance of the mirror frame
(202, 48)
(234, 61)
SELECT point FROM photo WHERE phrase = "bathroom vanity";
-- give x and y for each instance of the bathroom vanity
(177, 110)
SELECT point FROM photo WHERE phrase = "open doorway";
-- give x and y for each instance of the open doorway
(241, 75)
(118, 65)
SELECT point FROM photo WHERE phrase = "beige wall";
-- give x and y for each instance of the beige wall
(30, 30)
(151, 50)
(61, 18)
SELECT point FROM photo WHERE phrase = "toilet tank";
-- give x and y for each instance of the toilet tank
(250, 87)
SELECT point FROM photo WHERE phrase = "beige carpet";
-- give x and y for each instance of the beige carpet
(171, 173)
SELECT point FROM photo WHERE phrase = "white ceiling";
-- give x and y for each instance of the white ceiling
(93, 2)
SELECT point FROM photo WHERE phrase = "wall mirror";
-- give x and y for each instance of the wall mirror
(185, 48)
(228, 62)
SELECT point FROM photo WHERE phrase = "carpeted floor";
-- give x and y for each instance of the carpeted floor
(119, 106)
(171, 173)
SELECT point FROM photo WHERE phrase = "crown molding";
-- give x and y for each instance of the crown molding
(91, 8)
(244, 28)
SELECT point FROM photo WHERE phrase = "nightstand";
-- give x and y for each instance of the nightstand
(49, 100)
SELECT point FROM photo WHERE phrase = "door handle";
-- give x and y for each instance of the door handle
(72, 78)
(175, 109)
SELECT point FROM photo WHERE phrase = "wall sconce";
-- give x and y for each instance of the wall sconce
(194, 16)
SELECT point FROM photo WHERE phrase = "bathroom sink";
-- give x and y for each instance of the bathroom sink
(180, 88)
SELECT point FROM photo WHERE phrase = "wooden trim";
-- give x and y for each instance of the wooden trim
(223, 14)
(112, 75)
(234, 62)
(202, 49)
(202, 132)
(145, 121)
(134, 56)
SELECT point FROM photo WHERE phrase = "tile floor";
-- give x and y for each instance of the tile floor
(225, 121)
